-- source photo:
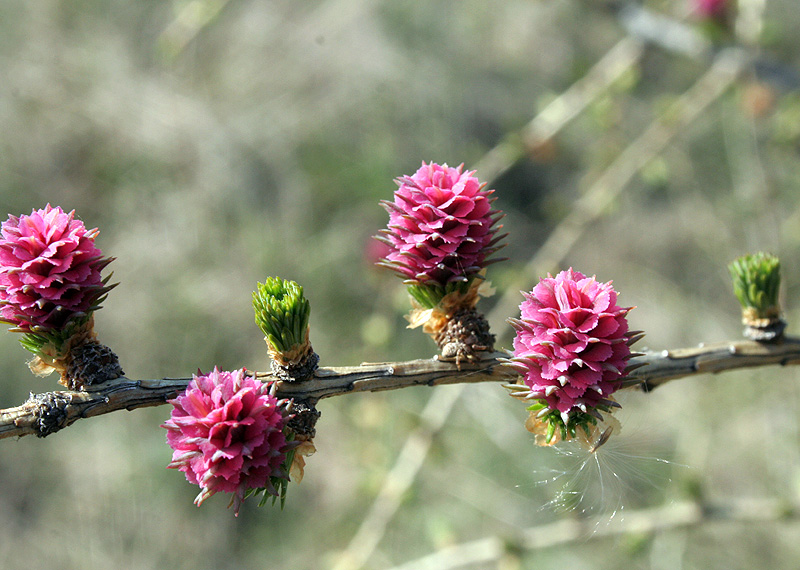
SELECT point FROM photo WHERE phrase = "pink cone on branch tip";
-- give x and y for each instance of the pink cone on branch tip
(711, 8)
(50, 270)
(441, 226)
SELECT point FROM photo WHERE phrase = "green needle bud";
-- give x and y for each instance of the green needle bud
(282, 313)
(756, 283)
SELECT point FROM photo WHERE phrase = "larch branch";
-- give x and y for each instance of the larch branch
(43, 414)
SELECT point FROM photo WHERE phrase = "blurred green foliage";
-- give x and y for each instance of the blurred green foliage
(216, 142)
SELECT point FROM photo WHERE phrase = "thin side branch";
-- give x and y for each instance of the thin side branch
(399, 480)
(44, 414)
(623, 57)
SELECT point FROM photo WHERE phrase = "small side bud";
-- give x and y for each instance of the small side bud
(465, 335)
(91, 363)
(49, 412)
(303, 420)
(756, 283)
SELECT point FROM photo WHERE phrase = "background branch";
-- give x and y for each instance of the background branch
(601, 193)
(672, 516)
(620, 59)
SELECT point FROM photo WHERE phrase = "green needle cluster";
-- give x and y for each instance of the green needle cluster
(756, 282)
(36, 340)
(569, 430)
(281, 312)
(428, 295)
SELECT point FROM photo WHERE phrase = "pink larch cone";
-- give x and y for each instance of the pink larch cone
(571, 347)
(50, 270)
(226, 431)
(441, 226)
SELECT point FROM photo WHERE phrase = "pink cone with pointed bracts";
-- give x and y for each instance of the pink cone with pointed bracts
(50, 270)
(226, 431)
(441, 226)
(572, 348)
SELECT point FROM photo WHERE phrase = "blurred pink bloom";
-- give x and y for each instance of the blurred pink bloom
(441, 225)
(710, 8)
(375, 251)
(571, 342)
(226, 431)
(49, 270)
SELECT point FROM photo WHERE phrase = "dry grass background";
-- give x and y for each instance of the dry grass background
(217, 142)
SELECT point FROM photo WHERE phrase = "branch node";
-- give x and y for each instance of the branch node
(765, 330)
(49, 412)
(304, 418)
(298, 371)
(465, 335)
(91, 363)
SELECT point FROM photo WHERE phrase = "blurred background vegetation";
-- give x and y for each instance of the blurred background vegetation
(218, 142)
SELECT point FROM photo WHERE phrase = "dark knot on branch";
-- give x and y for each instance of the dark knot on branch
(303, 369)
(465, 335)
(304, 418)
(49, 412)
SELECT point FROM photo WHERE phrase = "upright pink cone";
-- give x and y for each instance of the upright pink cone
(441, 226)
(711, 8)
(50, 270)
